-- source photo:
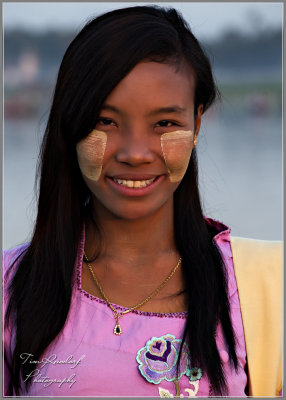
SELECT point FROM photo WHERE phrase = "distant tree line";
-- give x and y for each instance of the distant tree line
(237, 50)
(233, 49)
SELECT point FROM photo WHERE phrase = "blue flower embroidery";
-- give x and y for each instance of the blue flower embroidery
(158, 359)
(194, 374)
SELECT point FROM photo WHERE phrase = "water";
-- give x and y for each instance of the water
(241, 173)
(240, 165)
(21, 145)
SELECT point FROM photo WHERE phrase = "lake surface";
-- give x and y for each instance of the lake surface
(240, 166)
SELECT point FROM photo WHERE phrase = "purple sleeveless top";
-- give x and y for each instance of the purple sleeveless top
(88, 359)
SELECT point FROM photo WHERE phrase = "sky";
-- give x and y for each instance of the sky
(207, 19)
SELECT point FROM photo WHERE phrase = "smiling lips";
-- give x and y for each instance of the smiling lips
(134, 184)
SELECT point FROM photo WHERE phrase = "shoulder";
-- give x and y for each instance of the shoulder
(11, 257)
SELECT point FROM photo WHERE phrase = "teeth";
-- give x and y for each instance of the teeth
(134, 184)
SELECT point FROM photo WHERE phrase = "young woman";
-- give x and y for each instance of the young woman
(125, 289)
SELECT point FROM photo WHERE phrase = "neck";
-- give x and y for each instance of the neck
(135, 239)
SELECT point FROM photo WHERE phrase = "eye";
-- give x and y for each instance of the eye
(106, 121)
(165, 123)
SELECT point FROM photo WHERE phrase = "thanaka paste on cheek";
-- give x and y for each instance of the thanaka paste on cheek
(90, 153)
(177, 149)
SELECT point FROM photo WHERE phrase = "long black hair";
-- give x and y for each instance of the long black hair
(100, 56)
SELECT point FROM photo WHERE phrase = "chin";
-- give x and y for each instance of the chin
(132, 209)
(129, 211)
(131, 214)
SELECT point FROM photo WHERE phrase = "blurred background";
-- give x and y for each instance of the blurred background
(240, 142)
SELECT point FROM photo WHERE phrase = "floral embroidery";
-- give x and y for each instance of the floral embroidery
(194, 374)
(158, 361)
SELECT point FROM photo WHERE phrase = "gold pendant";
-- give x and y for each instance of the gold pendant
(117, 329)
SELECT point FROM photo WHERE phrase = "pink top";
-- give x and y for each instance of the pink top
(87, 359)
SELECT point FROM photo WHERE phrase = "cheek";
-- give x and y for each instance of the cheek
(90, 153)
(177, 149)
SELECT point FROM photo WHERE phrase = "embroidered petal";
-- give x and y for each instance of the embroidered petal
(164, 393)
(158, 359)
(193, 392)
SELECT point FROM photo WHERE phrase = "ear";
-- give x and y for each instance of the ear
(198, 122)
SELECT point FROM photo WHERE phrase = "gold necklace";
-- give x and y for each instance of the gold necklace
(118, 314)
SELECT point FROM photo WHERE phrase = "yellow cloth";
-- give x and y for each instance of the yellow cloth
(259, 274)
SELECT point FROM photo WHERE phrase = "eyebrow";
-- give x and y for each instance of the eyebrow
(169, 110)
(174, 109)
(109, 107)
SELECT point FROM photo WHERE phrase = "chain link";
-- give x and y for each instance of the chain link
(119, 314)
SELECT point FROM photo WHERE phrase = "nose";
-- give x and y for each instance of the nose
(135, 149)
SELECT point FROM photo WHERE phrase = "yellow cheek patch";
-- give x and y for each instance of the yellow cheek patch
(90, 153)
(177, 149)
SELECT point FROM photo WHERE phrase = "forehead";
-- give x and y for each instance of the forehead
(151, 84)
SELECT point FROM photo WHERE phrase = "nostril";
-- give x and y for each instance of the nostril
(135, 155)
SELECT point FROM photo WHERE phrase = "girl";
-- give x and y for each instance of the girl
(125, 289)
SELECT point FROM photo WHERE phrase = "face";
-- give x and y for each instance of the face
(138, 153)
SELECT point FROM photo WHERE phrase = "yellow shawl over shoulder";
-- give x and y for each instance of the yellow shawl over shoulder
(259, 275)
